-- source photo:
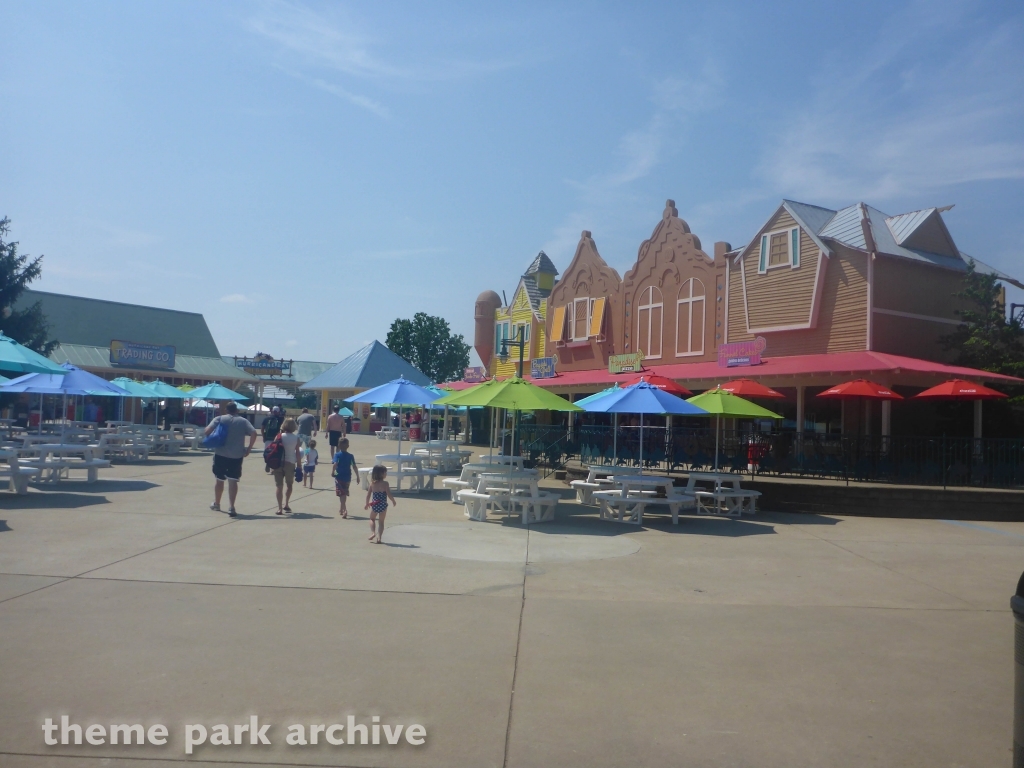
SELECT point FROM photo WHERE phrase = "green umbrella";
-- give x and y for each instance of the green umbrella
(21, 359)
(513, 394)
(722, 403)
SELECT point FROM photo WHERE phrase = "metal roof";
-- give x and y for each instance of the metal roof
(811, 219)
(370, 366)
(985, 269)
(905, 223)
(94, 357)
(97, 322)
(845, 227)
(541, 264)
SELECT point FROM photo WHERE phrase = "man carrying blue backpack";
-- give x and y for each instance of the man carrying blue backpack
(226, 435)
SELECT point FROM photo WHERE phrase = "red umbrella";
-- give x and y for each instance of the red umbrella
(749, 388)
(662, 383)
(860, 388)
(959, 389)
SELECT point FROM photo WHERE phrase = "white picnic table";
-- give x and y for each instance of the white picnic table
(467, 479)
(633, 492)
(407, 465)
(504, 491)
(598, 478)
(498, 458)
(56, 460)
(16, 473)
(723, 497)
(443, 456)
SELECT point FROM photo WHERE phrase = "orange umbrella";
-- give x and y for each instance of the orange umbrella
(749, 388)
(860, 388)
(661, 382)
(960, 389)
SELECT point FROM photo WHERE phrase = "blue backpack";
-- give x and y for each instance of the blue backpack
(218, 437)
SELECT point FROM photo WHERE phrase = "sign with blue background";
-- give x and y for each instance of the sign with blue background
(133, 354)
(543, 367)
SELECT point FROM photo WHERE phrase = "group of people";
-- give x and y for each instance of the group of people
(299, 460)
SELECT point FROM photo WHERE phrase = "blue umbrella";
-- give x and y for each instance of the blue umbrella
(215, 392)
(643, 398)
(19, 358)
(401, 391)
(71, 381)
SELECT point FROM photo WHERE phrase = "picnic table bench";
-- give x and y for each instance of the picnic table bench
(56, 461)
(598, 478)
(16, 474)
(724, 497)
(505, 491)
(121, 446)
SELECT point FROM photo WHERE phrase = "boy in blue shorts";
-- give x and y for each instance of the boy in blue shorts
(344, 467)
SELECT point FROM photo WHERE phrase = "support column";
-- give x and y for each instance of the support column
(842, 417)
(867, 417)
(977, 430)
(886, 424)
(801, 404)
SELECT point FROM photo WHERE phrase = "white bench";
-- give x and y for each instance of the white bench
(623, 509)
(478, 504)
(731, 502)
(54, 470)
(122, 446)
(675, 502)
(455, 485)
(18, 477)
(585, 490)
(536, 509)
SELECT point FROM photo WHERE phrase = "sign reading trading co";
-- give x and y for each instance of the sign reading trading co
(741, 353)
(630, 363)
(131, 353)
(543, 367)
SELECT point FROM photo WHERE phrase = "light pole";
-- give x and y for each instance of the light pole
(518, 341)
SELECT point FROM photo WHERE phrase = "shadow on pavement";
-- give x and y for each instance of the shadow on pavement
(4, 527)
(111, 486)
(54, 500)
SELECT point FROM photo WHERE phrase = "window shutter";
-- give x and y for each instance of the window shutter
(763, 265)
(558, 323)
(597, 318)
(794, 246)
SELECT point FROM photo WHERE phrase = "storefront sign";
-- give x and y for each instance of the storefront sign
(131, 353)
(741, 353)
(543, 367)
(626, 363)
(474, 375)
(263, 364)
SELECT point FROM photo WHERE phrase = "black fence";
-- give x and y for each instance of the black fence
(946, 461)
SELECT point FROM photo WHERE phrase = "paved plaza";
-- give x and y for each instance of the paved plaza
(780, 641)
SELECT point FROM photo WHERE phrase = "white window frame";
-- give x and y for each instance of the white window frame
(499, 327)
(590, 314)
(689, 310)
(649, 290)
(767, 238)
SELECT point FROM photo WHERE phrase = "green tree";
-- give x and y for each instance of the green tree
(986, 338)
(427, 342)
(26, 326)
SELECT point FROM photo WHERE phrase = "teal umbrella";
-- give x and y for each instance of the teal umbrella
(21, 359)
(215, 392)
(345, 412)
(134, 388)
(164, 391)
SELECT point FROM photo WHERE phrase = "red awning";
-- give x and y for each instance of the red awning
(839, 365)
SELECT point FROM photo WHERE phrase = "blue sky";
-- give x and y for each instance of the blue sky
(304, 173)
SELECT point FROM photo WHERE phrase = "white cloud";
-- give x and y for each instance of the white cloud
(291, 343)
(236, 298)
(939, 104)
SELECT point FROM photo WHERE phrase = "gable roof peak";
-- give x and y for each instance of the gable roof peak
(541, 264)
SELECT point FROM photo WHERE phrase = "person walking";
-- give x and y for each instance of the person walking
(344, 468)
(377, 501)
(306, 423)
(310, 457)
(285, 474)
(272, 425)
(227, 459)
(335, 429)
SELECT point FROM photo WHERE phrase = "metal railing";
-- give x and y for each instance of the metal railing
(906, 460)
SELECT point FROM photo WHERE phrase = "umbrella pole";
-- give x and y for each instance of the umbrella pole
(39, 427)
(717, 420)
(641, 443)
(615, 439)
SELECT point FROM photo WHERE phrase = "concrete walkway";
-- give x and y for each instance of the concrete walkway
(782, 641)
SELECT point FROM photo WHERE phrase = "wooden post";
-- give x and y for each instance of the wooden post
(801, 404)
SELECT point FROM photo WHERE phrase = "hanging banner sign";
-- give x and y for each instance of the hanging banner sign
(741, 353)
(626, 363)
(263, 364)
(474, 375)
(543, 367)
(134, 354)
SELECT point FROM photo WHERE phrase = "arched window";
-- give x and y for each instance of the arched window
(690, 307)
(650, 310)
